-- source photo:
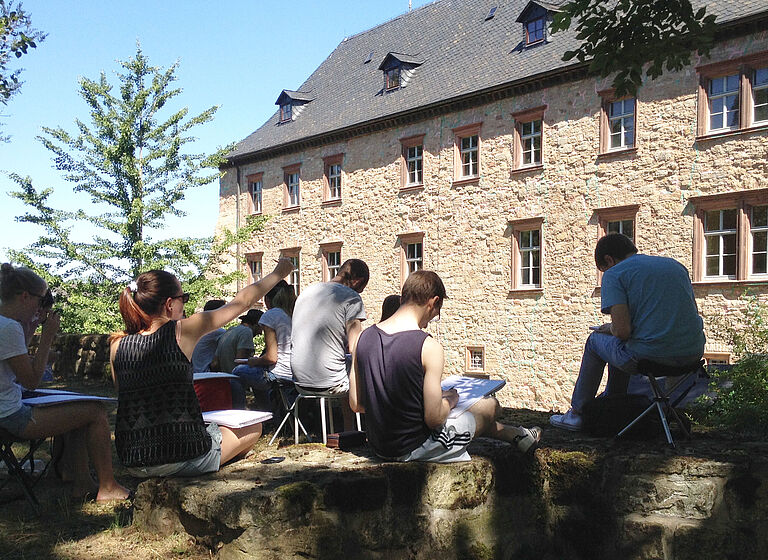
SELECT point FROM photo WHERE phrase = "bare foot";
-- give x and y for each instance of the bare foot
(84, 491)
(113, 493)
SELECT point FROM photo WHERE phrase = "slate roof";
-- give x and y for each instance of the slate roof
(462, 53)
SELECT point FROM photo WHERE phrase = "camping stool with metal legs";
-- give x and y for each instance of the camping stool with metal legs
(324, 399)
(653, 370)
(16, 467)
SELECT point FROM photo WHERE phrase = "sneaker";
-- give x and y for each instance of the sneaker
(529, 439)
(569, 421)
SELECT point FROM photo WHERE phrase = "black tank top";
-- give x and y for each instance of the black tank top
(158, 414)
(393, 383)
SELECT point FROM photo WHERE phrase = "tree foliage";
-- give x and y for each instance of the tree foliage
(623, 36)
(16, 38)
(132, 165)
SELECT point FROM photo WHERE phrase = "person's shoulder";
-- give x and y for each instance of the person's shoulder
(10, 326)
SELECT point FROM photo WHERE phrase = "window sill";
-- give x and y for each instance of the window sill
(465, 181)
(618, 152)
(518, 170)
(291, 209)
(727, 133)
(412, 188)
(330, 202)
(477, 374)
(525, 291)
(726, 282)
(256, 213)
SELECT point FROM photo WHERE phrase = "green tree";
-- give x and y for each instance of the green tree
(623, 36)
(16, 38)
(132, 162)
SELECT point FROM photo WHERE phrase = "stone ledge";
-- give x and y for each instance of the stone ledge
(579, 497)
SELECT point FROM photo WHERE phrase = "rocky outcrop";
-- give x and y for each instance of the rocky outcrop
(580, 499)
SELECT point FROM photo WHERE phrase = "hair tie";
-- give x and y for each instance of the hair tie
(133, 286)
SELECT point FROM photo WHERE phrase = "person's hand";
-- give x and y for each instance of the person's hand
(51, 324)
(605, 328)
(452, 395)
(284, 267)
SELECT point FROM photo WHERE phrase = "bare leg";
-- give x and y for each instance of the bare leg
(485, 412)
(92, 419)
(348, 415)
(75, 460)
(236, 442)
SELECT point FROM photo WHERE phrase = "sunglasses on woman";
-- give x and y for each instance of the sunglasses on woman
(184, 297)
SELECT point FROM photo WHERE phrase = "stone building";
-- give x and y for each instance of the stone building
(455, 138)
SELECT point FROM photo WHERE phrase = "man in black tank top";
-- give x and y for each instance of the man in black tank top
(396, 382)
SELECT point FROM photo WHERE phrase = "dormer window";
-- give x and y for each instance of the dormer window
(292, 103)
(286, 112)
(398, 69)
(535, 17)
(392, 78)
(534, 30)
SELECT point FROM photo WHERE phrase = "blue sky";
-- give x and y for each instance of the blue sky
(238, 54)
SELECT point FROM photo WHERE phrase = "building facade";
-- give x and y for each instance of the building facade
(503, 182)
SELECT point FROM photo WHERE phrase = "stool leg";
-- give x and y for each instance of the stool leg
(359, 423)
(322, 420)
(665, 424)
(296, 420)
(331, 429)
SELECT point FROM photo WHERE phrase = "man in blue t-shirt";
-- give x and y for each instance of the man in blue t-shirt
(653, 316)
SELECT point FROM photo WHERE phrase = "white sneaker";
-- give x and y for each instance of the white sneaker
(568, 421)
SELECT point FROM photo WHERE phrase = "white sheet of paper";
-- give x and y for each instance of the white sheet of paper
(236, 418)
(59, 398)
(470, 389)
(210, 375)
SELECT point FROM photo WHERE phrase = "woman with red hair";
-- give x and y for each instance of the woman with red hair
(159, 429)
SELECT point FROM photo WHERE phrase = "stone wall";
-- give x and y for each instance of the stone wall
(579, 500)
(80, 355)
(532, 340)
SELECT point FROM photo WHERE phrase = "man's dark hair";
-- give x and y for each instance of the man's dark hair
(420, 286)
(616, 245)
(353, 269)
(212, 304)
(281, 285)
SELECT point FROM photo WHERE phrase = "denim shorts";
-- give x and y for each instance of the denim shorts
(207, 463)
(17, 422)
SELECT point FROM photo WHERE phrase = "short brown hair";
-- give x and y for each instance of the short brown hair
(422, 285)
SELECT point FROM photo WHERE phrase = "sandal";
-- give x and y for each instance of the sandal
(528, 441)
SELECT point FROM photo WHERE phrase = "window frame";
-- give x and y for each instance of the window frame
(543, 20)
(405, 145)
(607, 97)
(325, 250)
(404, 240)
(328, 162)
(468, 360)
(286, 112)
(288, 170)
(388, 82)
(745, 67)
(609, 214)
(256, 257)
(253, 179)
(460, 133)
(294, 278)
(518, 226)
(522, 118)
(743, 202)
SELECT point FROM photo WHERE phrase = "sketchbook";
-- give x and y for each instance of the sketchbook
(61, 398)
(236, 418)
(200, 376)
(470, 390)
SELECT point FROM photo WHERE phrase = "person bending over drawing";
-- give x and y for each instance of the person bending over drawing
(653, 316)
(396, 382)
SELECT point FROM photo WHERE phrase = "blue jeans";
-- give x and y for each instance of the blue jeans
(602, 349)
(260, 380)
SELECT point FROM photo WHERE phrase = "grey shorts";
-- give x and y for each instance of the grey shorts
(339, 389)
(210, 462)
(17, 422)
(447, 444)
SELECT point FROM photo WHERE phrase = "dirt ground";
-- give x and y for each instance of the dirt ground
(69, 529)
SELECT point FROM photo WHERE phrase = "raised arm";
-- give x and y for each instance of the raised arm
(192, 328)
(29, 371)
(437, 403)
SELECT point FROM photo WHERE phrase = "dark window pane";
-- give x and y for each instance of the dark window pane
(729, 218)
(761, 76)
(713, 245)
(713, 264)
(712, 220)
(729, 244)
(732, 82)
(759, 242)
(535, 238)
(729, 265)
(760, 216)
(758, 264)
(525, 238)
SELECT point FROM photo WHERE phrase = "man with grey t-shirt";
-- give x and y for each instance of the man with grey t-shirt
(326, 325)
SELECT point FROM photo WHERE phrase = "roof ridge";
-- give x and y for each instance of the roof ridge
(390, 20)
